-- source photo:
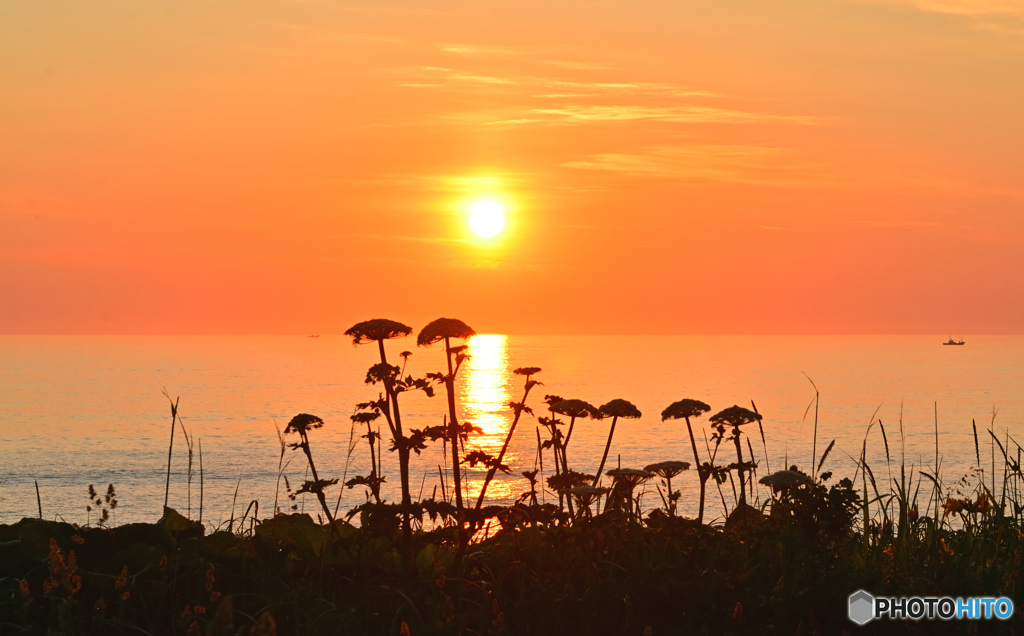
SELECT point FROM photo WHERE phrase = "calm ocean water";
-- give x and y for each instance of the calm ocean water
(76, 410)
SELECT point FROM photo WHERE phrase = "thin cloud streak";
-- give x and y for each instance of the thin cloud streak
(431, 75)
(541, 56)
(896, 224)
(759, 165)
(577, 98)
(968, 7)
(1004, 17)
(680, 114)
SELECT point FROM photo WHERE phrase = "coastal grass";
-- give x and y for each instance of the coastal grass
(782, 559)
(786, 570)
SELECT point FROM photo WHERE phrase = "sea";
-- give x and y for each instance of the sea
(81, 411)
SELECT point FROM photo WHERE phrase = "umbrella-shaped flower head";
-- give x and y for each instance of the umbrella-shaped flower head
(615, 409)
(630, 475)
(584, 495)
(572, 409)
(527, 371)
(684, 409)
(666, 470)
(577, 408)
(303, 422)
(569, 479)
(629, 478)
(620, 408)
(552, 400)
(734, 416)
(376, 330)
(785, 479)
(584, 490)
(443, 328)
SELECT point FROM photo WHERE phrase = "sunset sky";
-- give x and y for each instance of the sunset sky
(796, 166)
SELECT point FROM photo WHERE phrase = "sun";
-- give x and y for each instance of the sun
(486, 218)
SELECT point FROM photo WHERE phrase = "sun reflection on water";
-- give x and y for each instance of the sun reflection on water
(485, 396)
(485, 392)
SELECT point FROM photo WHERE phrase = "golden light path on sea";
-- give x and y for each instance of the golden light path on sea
(485, 396)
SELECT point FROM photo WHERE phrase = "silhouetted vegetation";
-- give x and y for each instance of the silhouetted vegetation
(782, 560)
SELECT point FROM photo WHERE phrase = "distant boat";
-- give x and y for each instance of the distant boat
(316, 335)
(954, 342)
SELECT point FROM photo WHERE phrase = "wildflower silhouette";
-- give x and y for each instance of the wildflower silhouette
(668, 470)
(685, 409)
(584, 496)
(573, 409)
(615, 409)
(624, 482)
(530, 495)
(446, 329)
(518, 409)
(546, 571)
(735, 417)
(783, 480)
(378, 330)
(301, 424)
(374, 480)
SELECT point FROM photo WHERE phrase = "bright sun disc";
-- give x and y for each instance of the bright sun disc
(486, 218)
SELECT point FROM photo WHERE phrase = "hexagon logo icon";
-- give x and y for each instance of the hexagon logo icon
(862, 607)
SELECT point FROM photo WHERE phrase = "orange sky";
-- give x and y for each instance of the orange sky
(799, 166)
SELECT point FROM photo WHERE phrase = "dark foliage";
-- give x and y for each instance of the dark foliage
(785, 573)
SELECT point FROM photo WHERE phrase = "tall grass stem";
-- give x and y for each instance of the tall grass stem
(170, 448)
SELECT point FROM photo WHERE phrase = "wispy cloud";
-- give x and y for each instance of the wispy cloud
(684, 114)
(578, 66)
(710, 162)
(548, 56)
(552, 100)
(479, 51)
(479, 79)
(580, 115)
(968, 7)
(998, 16)
(432, 75)
(895, 224)
(436, 75)
(619, 88)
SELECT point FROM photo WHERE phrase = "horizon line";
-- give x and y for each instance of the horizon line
(549, 334)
